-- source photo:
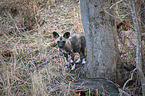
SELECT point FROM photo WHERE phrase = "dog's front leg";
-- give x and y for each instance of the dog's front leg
(72, 61)
(78, 61)
(66, 60)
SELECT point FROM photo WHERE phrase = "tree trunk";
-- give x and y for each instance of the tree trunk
(99, 28)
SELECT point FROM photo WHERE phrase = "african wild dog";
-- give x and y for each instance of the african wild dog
(70, 45)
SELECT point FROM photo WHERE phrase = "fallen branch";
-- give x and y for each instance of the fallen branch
(129, 79)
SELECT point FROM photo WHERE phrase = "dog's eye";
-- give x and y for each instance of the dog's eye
(63, 41)
(58, 41)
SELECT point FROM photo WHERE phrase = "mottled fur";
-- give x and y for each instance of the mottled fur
(70, 45)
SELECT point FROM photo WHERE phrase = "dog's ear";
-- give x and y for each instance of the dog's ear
(55, 35)
(66, 35)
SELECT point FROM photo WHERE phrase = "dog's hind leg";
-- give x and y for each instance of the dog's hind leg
(83, 55)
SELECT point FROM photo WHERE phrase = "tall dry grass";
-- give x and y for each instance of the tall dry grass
(28, 66)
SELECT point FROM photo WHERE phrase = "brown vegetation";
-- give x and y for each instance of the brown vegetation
(34, 67)
(124, 25)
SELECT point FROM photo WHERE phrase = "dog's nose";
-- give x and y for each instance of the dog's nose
(60, 46)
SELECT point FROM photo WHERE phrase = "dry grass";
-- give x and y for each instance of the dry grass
(28, 66)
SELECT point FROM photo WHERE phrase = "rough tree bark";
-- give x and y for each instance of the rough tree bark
(99, 28)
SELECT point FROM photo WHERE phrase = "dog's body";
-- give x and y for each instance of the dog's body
(69, 46)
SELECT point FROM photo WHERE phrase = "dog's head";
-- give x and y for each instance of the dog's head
(61, 39)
